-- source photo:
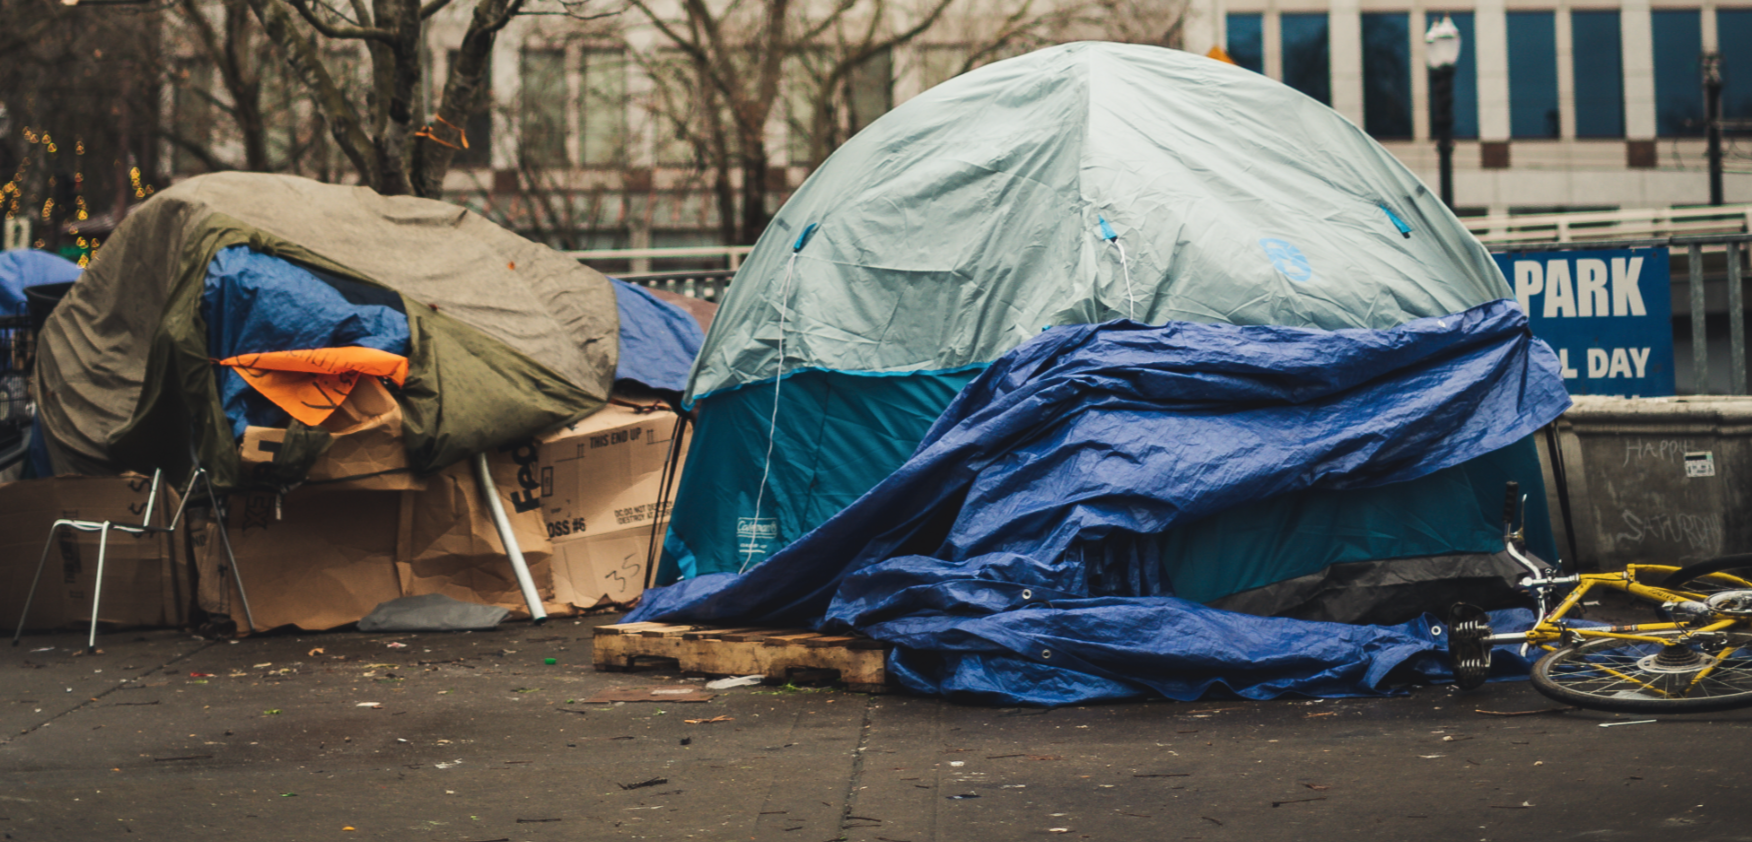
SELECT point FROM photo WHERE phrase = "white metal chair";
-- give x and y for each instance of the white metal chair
(103, 530)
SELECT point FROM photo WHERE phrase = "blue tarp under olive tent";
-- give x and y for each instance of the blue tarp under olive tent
(1080, 185)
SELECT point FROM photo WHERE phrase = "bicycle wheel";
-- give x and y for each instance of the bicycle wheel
(1729, 572)
(1706, 673)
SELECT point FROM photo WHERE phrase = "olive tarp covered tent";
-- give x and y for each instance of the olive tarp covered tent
(1077, 185)
(506, 338)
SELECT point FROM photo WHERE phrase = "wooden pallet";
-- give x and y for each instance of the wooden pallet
(774, 653)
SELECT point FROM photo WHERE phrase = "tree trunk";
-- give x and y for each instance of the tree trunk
(465, 93)
(754, 190)
(243, 78)
(306, 62)
(717, 156)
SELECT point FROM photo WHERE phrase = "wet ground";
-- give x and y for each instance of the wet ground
(475, 738)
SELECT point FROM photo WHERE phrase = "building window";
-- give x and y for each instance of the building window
(1599, 66)
(1678, 36)
(1307, 65)
(800, 90)
(1247, 41)
(679, 108)
(938, 63)
(870, 89)
(478, 128)
(603, 108)
(1387, 75)
(541, 113)
(1734, 43)
(1533, 74)
(1465, 74)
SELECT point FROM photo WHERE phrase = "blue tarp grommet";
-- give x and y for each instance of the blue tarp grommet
(1027, 594)
(1435, 631)
(1046, 654)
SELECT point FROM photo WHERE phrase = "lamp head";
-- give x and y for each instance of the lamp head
(1442, 44)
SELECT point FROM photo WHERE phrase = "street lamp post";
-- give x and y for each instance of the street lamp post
(1712, 120)
(1441, 53)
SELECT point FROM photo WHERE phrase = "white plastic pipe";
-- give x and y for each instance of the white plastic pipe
(484, 479)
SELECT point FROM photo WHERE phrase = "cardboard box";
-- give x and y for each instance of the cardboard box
(599, 570)
(454, 548)
(144, 582)
(316, 559)
(324, 556)
(367, 452)
(599, 482)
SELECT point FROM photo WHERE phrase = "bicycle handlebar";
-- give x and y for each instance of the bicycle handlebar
(1510, 497)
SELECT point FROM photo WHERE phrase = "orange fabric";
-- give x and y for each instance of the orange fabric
(310, 385)
(1220, 54)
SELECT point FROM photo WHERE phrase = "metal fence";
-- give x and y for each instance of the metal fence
(1598, 227)
(707, 285)
(17, 351)
(640, 262)
(1712, 243)
(1710, 261)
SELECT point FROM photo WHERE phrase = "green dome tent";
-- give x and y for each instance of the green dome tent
(504, 338)
(1080, 184)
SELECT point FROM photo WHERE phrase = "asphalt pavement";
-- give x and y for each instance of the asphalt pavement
(474, 737)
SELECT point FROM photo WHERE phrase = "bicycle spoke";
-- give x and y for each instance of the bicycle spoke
(1624, 674)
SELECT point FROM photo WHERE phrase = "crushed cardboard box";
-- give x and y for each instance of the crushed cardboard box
(144, 581)
(321, 557)
(366, 452)
(364, 530)
(599, 482)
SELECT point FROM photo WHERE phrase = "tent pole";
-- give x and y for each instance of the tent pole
(484, 479)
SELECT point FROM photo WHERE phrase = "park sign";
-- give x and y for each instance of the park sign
(1608, 314)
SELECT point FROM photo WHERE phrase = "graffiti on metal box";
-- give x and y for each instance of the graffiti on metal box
(1662, 449)
(1702, 533)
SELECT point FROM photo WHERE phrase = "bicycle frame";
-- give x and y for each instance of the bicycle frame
(1702, 631)
(1552, 628)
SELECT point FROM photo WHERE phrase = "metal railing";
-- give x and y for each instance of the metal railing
(639, 260)
(1718, 230)
(1730, 246)
(706, 285)
(1594, 226)
(17, 352)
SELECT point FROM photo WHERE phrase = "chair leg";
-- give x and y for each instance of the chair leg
(230, 558)
(97, 587)
(23, 618)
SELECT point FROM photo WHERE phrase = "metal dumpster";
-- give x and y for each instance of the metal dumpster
(1657, 480)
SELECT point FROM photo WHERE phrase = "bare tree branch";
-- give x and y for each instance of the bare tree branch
(570, 9)
(362, 13)
(305, 61)
(357, 10)
(212, 162)
(808, 36)
(686, 45)
(353, 33)
(465, 93)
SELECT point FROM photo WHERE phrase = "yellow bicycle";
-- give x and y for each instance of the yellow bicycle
(1696, 659)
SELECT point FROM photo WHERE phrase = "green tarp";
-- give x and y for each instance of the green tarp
(508, 338)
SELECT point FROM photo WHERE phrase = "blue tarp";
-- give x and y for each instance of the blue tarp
(658, 340)
(254, 302)
(20, 268)
(974, 557)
